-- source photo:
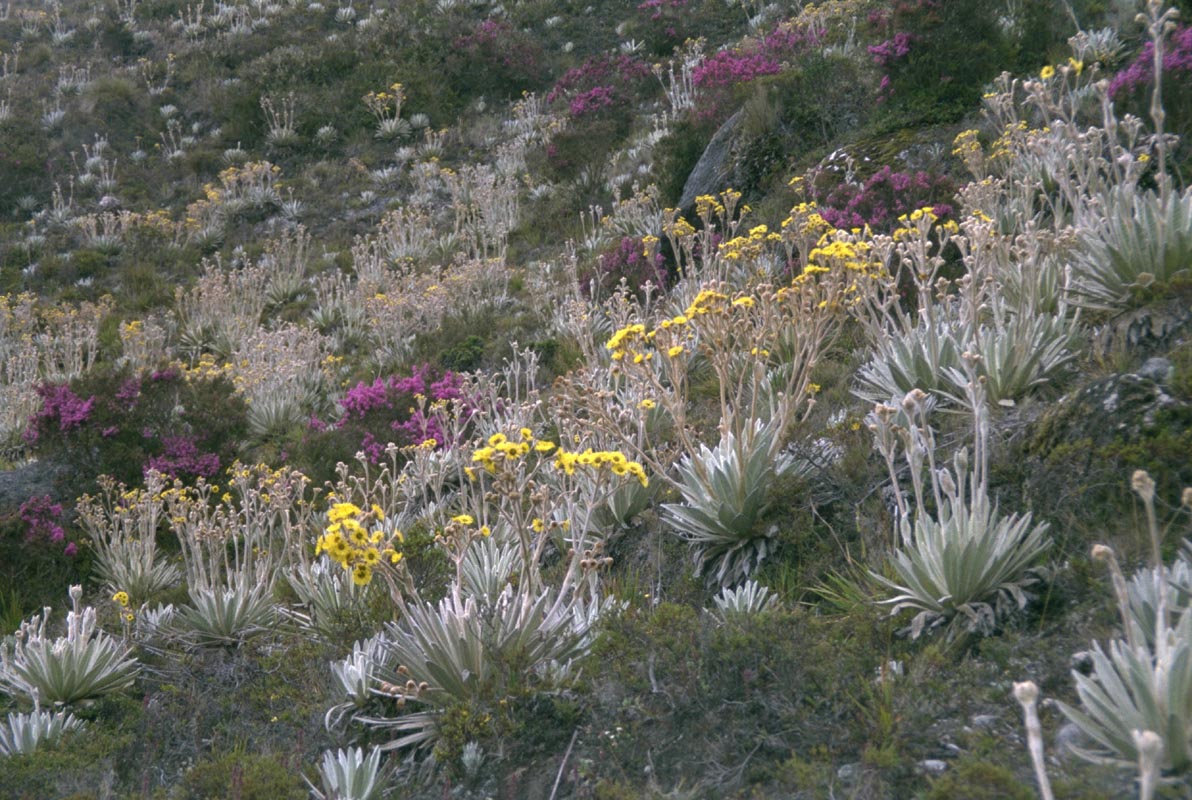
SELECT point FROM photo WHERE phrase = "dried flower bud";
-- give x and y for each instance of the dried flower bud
(422, 687)
(1026, 693)
(1143, 485)
(76, 593)
(1186, 497)
(1102, 552)
(946, 483)
(913, 399)
(1149, 744)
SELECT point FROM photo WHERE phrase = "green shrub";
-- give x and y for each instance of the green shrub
(936, 57)
(973, 779)
(249, 776)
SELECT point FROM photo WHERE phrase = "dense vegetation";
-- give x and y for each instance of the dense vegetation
(680, 398)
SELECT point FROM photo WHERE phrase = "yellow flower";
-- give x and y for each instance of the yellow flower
(378, 513)
(675, 350)
(121, 598)
(537, 525)
(361, 575)
(463, 519)
(566, 461)
(371, 556)
(484, 531)
(341, 511)
(543, 446)
(1047, 73)
(526, 433)
(647, 404)
(635, 469)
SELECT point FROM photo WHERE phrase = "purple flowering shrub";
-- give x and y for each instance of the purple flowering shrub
(663, 25)
(122, 424)
(61, 410)
(630, 259)
(599, 97)
(42, 519)
(721, 75)
(599, 83)
(881, 198)
(493, 57)
(1130, 87)
(39, 557)
(391, 409)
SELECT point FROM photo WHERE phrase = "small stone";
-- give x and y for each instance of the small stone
(1081, 661)
(1068, 736)
(933, 766)
(848, 772)
(983, 721)
(1157, 369)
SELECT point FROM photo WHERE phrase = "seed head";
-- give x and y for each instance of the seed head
(1143, 485)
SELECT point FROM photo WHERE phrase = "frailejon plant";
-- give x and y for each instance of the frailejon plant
(1144, 588)
(350, 775)
(968, 562)
(85, 663)
(725, 491)
(357, 677)
(1143, 238)
(24, 732)
(462, 650)
(235, 545)
(748, 598)
(123, 525)
(229, 614)
(501, 622)
(1142, 683)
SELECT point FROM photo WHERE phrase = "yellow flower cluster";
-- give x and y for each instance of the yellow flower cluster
(630, 343)
(615, 461)
(748, 247)
(806, 221)
(921, 217)
(501, 450)
(381, 104)
(706, 205)
(349, 542)
(207, 368)
(1003, 145)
